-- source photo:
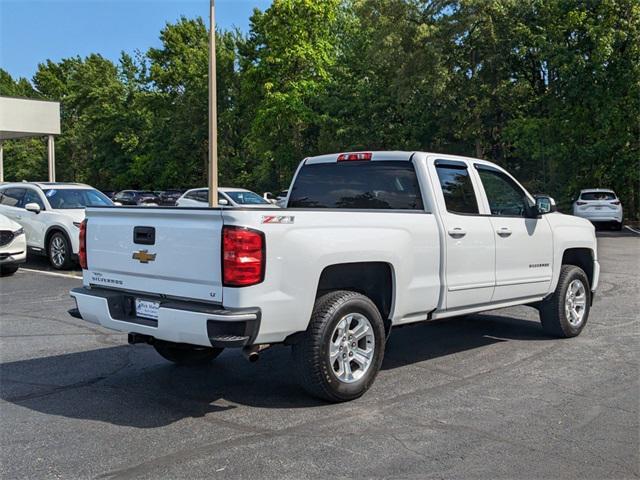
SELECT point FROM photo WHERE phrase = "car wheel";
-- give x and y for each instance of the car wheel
(565, 313)
(185, 354)
(8, 270)
(341, 352)
(617, 226)
(59, 251)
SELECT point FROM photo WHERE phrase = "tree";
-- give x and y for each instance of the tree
(548, 89)
(287, 61)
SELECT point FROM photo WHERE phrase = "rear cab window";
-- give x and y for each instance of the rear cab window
(366, 185)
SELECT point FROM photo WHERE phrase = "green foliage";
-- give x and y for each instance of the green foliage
(548, 89)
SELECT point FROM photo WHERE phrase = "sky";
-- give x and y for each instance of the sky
(32, 31)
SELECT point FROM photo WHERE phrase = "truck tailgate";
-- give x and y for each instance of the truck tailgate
(169, 251)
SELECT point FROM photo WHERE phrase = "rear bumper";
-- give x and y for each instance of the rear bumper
(612, 216)
(178, 321)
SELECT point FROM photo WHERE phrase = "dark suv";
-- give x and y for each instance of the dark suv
(136, 197)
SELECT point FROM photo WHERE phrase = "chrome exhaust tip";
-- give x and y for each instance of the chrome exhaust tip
(252, 353)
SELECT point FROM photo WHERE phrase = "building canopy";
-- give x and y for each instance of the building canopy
(21, 117)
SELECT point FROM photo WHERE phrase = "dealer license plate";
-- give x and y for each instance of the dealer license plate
(147, 309)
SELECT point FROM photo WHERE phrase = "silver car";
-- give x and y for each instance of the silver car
(599, 205)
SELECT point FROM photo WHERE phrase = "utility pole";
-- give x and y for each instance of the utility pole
(213, 110)
(51, 157)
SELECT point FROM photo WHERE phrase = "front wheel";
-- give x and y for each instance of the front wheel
(59, 251)
(564, 314)
(185, 354)
(341, 352)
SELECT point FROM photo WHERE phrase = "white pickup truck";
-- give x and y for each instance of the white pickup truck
(368, 241)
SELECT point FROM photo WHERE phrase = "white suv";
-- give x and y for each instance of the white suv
(227, 197)
(599, 205)
(50, 214)
(13, 247)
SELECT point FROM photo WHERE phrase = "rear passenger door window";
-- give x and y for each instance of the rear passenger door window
(457, 189)
(11, 197)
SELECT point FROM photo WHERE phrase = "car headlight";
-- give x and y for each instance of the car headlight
(18, 232)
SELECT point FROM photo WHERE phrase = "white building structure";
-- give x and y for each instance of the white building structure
(22, 117)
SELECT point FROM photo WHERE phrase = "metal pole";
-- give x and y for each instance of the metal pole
(51, 148)
(1, 162)
(213, 113)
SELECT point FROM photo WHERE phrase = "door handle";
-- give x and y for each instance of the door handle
(457, 232)
(504, 231)
(18, 217)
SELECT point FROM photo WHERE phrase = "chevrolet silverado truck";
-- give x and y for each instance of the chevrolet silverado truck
(368, 241)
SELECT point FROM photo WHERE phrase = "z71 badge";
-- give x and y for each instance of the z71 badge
(288, 219)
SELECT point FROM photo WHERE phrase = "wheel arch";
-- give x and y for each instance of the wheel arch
(375, 280)
(49, 233)
(580, 257)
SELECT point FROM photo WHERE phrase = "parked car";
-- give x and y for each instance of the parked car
(50, 214)
(169, 197)
(227, 197)
(279, 199)
(137, 197)
(599, 205)
(109, 193)
(368, 241)
(13, 246)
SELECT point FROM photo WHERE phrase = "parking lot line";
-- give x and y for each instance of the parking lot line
(53, 274)
(632, 229)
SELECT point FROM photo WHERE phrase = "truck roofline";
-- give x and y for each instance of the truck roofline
(393, 155)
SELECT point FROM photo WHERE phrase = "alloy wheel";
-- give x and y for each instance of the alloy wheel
(575, 303)
(58, 251)
(352, 347)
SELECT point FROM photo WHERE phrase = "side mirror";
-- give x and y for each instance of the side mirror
(117, 204)
(223, 202)
(268, 196)
(32, 207)
(545, 204)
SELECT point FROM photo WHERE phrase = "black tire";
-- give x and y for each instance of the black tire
(553, 314)
(185, 354)
(311, 354)
(617, 226)
(8, 270)
(59, 251)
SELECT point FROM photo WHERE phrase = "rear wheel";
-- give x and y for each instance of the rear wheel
(59, 251)
(617, 226)
(341, 352)
(185, 354)
(7, 270)
(565, 313)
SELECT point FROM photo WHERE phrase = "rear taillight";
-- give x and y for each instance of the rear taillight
(354, 156)
(615, 202)
(82, 251)
(581, 203)
(243, 256)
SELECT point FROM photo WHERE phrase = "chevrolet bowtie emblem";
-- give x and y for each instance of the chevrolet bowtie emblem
(143, 256)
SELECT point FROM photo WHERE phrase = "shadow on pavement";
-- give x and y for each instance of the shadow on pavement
(133, 386)
(41, 263)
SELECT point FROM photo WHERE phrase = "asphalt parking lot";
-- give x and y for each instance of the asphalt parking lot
(487, 396)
